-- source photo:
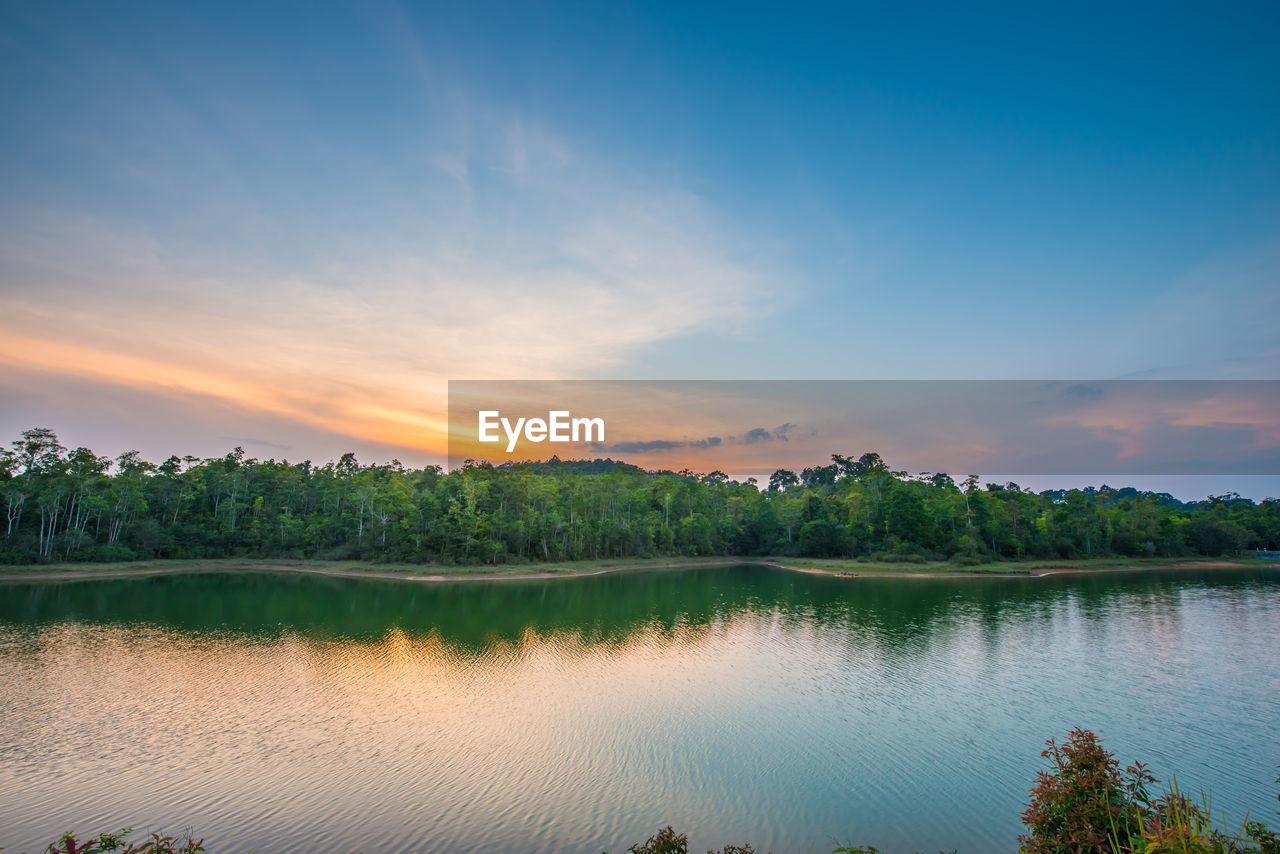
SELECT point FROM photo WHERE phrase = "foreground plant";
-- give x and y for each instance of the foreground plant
(157, 844)
(1174, 824)
(1084, 805)
(667, 841)
(1078, 803)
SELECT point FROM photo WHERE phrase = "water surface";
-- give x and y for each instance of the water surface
(273, 712)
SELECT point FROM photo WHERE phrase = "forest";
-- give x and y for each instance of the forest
(77, 506)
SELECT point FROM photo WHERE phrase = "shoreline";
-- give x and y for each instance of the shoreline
(843, 569)
(1038, 572)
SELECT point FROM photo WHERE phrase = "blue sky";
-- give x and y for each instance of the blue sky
(292, 223)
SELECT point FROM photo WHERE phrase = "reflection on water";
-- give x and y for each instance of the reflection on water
(274, 712)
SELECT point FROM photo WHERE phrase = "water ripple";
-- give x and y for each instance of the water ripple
(796, 713)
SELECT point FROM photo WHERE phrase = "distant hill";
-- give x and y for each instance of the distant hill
(555, 465)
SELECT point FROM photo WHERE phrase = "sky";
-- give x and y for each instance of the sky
(1034, 427)
(286, 226)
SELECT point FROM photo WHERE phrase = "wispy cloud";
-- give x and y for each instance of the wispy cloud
(754, 436)
(530, 259)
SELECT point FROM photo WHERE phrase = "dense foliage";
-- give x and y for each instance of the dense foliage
(107, 842)
(1083, 805)
(1082, 801)
(77, 506)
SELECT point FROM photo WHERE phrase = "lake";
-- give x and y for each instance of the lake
(276, 712)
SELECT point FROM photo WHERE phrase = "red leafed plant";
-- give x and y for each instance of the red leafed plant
(1082, 802)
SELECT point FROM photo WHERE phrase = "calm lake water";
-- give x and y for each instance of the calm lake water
(275, 712)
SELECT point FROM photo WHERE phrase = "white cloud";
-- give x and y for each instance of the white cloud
(540, 262)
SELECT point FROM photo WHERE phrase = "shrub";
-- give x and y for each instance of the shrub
(157, 844)
(1176, 825)
(1082, 801)
(898, 556)
(1084, 804)
(109, 553)
(665, 841)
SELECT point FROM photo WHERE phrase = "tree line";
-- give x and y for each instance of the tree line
(77, 506)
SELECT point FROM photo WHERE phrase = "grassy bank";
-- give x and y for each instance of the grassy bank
(440, 572)
(1005, 567)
